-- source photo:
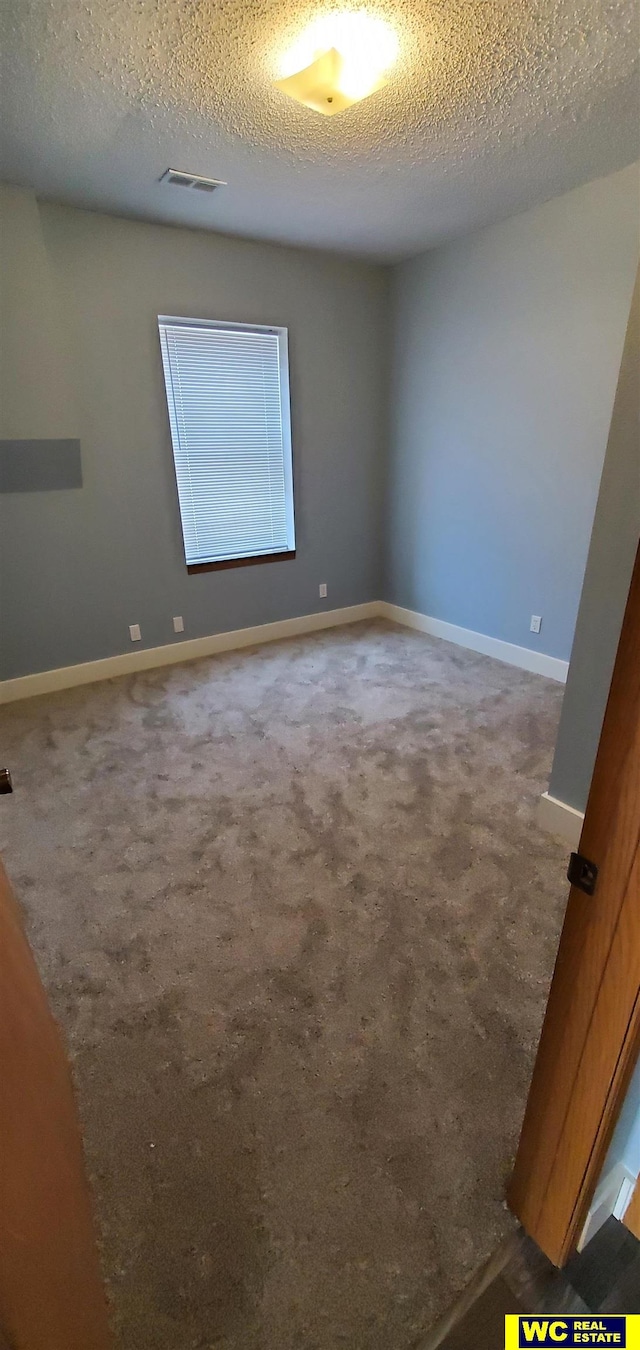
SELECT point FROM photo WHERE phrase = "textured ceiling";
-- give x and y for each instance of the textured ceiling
(493, 105)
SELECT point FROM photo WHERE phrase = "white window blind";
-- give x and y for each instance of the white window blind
(228, 399)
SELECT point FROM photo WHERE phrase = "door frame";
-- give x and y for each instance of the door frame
(51, 1292)
(591, 1033)
(631, 1216)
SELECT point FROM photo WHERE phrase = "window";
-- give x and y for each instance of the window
(228, 398)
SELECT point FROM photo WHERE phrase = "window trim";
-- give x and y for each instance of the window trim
(282, 334)
(247, 561)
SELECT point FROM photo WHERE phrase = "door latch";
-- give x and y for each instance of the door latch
(582, 873)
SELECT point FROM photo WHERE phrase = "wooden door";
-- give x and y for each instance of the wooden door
(632, 1212)
(591, 1033)
(51, 1293)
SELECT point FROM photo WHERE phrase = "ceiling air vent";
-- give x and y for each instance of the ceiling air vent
(179, 178)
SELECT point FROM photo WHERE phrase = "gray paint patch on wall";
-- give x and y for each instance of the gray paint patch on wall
(78, 567)
(39, 465)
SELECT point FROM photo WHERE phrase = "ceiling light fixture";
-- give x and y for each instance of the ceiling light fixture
(338, 60)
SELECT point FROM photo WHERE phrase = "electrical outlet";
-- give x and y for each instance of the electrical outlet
(134, 632)
(178, 623)
(323, 590)
(536, 623)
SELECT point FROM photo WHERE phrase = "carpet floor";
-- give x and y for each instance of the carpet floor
(298, 923)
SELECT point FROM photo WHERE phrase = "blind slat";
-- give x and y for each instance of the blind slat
(228, 409)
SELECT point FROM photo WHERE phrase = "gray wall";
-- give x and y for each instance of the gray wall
(36, 388)
(507, 346)
(505, 353)
(79, 566)
(612, 551)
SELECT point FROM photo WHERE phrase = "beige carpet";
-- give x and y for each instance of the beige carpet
(297, 920)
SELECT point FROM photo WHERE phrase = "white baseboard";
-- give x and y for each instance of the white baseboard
(147, 658)
(558, 818)
(537, 662)
(612, 1197)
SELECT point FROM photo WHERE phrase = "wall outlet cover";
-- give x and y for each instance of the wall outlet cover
(323, 590)
(178, 623)
(134, 632)
(536, 623)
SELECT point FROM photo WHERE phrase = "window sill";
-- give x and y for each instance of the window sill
(223, 563)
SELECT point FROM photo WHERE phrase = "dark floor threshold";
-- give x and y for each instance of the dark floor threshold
(605, 1277)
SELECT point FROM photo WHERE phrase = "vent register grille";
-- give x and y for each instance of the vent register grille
(192, 181)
